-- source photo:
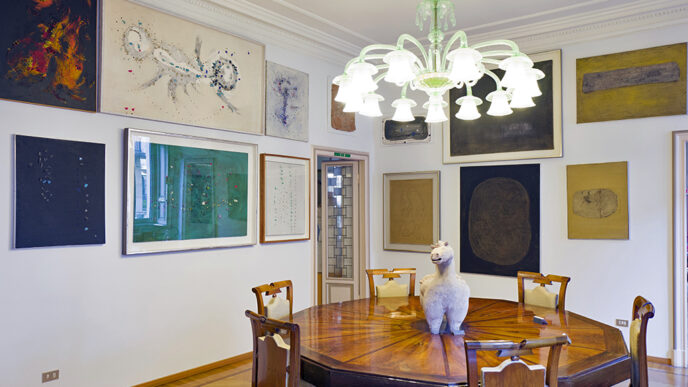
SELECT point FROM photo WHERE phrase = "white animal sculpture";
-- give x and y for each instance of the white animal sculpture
(444, 292)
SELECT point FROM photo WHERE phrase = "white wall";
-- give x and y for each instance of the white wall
(606, 274)
(111, 320)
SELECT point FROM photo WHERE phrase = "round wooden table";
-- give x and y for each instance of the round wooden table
(385, 342)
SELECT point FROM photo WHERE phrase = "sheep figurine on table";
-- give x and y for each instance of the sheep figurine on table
(444, 292)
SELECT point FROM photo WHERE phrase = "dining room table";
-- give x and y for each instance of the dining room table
(386, 342)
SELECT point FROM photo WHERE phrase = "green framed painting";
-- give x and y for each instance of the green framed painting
(186, 193)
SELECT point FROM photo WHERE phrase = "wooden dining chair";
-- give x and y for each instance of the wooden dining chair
(275, 363)
(514, 371)
(643, 310)
(391, 288)
(277, 307)
(540, 296)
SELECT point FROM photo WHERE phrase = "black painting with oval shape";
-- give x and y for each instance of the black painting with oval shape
(500, 219)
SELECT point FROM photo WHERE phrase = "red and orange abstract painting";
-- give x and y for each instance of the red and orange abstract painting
(50, 52)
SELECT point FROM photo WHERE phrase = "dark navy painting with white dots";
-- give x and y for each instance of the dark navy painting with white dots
(59, 192)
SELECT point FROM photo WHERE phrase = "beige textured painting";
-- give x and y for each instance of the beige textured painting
(642, 83)
(160, 67)
(597, 196)
(411, 211)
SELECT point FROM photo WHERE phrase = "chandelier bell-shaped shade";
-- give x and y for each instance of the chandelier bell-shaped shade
(353, 104)
(499, 103)
(469, 107)
(435, 107)
(361, 74)
(520, 99)
(403, 111)
(465, 65)
(516, 71)
(531, 85)
(371, 105)
(345, 88)
(401, 69)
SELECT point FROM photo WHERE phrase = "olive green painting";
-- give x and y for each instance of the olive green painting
(597, 196)
(642, 83)
(183, 193)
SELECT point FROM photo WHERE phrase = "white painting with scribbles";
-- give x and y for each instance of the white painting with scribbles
(160, 67)
(285, 186)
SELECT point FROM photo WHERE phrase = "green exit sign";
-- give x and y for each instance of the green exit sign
(342, 154)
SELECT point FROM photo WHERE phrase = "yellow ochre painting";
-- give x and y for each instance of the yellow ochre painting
(642, 83)
(597, 196)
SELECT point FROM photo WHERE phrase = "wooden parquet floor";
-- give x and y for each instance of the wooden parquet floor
(239, 374)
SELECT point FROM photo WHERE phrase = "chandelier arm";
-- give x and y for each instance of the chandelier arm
(403, 89)
(405, 37)
(499, 42)
(495, 62)
(499, 53)
(372, 47)
(358, 59)
(457, 35)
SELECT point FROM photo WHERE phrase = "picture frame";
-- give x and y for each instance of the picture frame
(407, 209)
(164, 68)
(394, 132)
(286, 102)
(533, 133)
(187, 193)
(284, 198)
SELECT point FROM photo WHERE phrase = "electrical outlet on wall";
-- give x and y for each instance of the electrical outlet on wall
(621, 323)
(50, 376)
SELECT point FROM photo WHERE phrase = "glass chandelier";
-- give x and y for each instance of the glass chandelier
(442, 67)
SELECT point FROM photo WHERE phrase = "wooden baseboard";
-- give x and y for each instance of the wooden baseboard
(197, 370)
(660, 360)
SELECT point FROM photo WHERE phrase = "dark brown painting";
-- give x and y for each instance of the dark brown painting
(500, 219)
(49, 52)
(345, 122)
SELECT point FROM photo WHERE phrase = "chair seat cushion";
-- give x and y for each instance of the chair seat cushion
(392, 289)
(277, 308)
(540, 297)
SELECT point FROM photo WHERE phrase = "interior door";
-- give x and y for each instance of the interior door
(340, 211)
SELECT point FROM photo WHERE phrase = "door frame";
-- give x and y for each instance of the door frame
(679, 143)
(364, 212)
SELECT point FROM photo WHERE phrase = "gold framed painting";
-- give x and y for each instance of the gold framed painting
(633, 84)
(411, 210)
(284, 198)
(597, 197)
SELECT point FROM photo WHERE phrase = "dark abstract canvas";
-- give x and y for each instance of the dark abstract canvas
(49, 52)
(500, 219)
(394, 132)
(60, 192)
(533, 132)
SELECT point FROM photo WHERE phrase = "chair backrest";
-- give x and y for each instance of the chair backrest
(390, 275)
(536, 294)
(276, 307)
(275, 364)
(514, 372)
(643, 310)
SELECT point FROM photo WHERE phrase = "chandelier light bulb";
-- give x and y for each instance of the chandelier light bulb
(517, 69)
(469, 108)
(435, 107)
(371, 105)
(361, 74)
(520, 99)
(403, 111)
(465, 65)
(499, 103)
(531, 84)
(353, 104)
(400, 66)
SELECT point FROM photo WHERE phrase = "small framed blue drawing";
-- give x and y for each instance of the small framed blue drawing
(284, 198)
(286, 102)
(185, 192)
(59, 192)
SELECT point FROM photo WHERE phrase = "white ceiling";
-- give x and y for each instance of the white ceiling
(363, 22)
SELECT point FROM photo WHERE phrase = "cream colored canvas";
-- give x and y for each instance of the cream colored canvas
(160, 67)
